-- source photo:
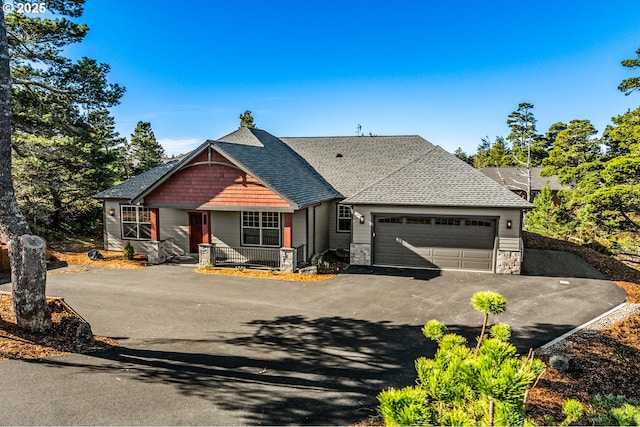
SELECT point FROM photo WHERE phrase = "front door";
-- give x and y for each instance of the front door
(198, 230)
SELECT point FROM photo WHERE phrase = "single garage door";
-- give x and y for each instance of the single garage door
(434, 242)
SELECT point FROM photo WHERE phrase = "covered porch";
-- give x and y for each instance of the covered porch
(255, 239)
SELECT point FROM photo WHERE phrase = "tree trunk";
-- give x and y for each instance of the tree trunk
(29, 277)
(26, 252)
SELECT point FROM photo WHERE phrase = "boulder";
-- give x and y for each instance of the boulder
(94, 254)
(84, 334)
(313, 269)
(562, 363)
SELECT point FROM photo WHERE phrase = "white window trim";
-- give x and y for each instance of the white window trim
(137, 222)
(261, 228)
(343, 217)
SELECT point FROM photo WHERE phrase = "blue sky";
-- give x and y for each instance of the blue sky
(450, 71)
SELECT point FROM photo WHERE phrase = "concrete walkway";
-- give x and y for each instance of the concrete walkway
(214, 350)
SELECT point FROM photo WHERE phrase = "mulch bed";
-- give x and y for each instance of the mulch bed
(61, 339)
(606, 362)
(262, 274)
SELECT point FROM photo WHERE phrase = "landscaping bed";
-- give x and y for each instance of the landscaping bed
(61, 339)
(262, 274)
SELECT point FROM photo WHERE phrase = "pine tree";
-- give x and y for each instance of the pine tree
(145, 151)
(632, 83)
(246, 120)
(542, 218)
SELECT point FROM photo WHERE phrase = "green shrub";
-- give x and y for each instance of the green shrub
(460, 386)
(614, 410)
(128, 251)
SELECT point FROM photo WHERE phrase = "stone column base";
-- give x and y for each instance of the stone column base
(509, 262)
(360, 254)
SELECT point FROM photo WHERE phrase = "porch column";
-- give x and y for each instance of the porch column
(155, 224)
(288, 231)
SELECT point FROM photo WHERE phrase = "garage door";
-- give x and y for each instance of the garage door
(434, 242)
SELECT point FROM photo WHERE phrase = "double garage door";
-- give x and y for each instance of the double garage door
(434, 242)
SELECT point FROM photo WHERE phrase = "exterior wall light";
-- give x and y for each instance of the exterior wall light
(361, 219)
(112, 212)
(509, 223)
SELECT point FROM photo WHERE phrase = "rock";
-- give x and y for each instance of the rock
(94, 254)
(342, 253)
(562, 363)
(314, 259)
(313, 269)
(84, 335)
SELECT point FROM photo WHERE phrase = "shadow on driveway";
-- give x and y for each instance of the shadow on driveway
(289, 370)
(414, 273)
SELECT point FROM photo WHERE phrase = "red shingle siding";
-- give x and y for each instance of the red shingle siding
(214, 185)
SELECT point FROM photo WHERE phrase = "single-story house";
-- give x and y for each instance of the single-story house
(515, 179)
(388, 200)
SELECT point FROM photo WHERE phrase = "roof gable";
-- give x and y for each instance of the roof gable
(277, 165)
(211, 180)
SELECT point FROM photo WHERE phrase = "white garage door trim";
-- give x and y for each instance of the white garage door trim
(434, 241)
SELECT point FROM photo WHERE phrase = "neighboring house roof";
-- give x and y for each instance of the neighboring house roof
(353, 163)
(438, 178)
(515, 178)
(133, 187)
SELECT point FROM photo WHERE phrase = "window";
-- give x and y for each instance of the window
(447, 221)
(390, 220)
(261, 229)
(477, 223)
(136, 222)
(344, 218)
(418, 220)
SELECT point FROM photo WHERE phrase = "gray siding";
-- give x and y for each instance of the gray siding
(113, 233)
(323, 215)
(337, 240)
(300, 230)
(174, 224)
(225, 228)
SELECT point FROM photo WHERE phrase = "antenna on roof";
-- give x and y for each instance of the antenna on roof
(359, 130)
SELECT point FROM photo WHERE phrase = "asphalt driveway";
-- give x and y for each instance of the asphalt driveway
(203, 349)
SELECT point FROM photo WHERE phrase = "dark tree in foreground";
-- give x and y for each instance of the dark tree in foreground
(26, 251)
(64, 144)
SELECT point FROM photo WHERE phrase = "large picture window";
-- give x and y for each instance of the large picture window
(261, 229)
(136, 222)
(344, 218)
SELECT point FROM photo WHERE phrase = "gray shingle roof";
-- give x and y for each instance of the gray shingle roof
(396, 170)
(275, 163)
(516, 178)
(133, 187)
(353, 163)
(438, 178)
